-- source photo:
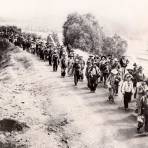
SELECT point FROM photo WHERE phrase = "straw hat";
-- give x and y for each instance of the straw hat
(103, 57)
(90, 55)
(114, 71)
(116, 60)
(129, 76)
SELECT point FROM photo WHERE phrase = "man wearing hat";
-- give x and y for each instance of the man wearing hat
(117, 81)
(61, 50)
(70, 64)
(94, 74)
(41, 51)
(76, 70)
(140, 93)
(104, 68)
(103, 58)
(135, 66)
(135, 80)
(112, 86)
(50, 53)
(138, 78)
(116, 64)
(89, 64)
(55, 60)
(123, 62)
(82, 64)
(63, 65)
(90, 58)
(45, 54)
(140, 74)
(97, 59)
(127, 91)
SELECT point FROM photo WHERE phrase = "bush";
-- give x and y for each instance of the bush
(7, 31)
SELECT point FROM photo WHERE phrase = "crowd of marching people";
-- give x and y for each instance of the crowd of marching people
(111, 72)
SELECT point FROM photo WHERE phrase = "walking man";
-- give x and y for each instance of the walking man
(55, 60)
(127, 91)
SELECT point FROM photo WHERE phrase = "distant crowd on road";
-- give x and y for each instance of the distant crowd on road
(113, 73)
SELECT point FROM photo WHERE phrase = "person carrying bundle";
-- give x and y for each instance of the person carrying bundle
(76, 71)
(82, 64)
(63, 65)
(93, 75)
(141, 89)
(70, 65)
(113, 84)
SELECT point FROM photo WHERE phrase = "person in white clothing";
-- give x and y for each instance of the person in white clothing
(127, 91)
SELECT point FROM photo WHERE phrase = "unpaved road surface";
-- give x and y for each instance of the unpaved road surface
(53, 113)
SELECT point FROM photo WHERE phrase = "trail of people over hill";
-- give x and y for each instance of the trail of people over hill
(60, 108)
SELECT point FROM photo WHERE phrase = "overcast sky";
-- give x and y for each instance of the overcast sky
(130, 15)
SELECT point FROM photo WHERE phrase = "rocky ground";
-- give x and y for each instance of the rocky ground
(39, 109)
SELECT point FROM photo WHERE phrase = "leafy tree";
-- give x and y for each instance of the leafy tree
(7, 31)
(115, 46)
(82, 31)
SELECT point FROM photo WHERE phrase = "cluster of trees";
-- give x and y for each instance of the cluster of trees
(6, 31)
(31, 36)
(85, 33)
(115, 46)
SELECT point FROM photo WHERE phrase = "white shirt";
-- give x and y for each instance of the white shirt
(127, 87)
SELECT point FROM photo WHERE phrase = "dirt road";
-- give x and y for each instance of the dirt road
(53, 113)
